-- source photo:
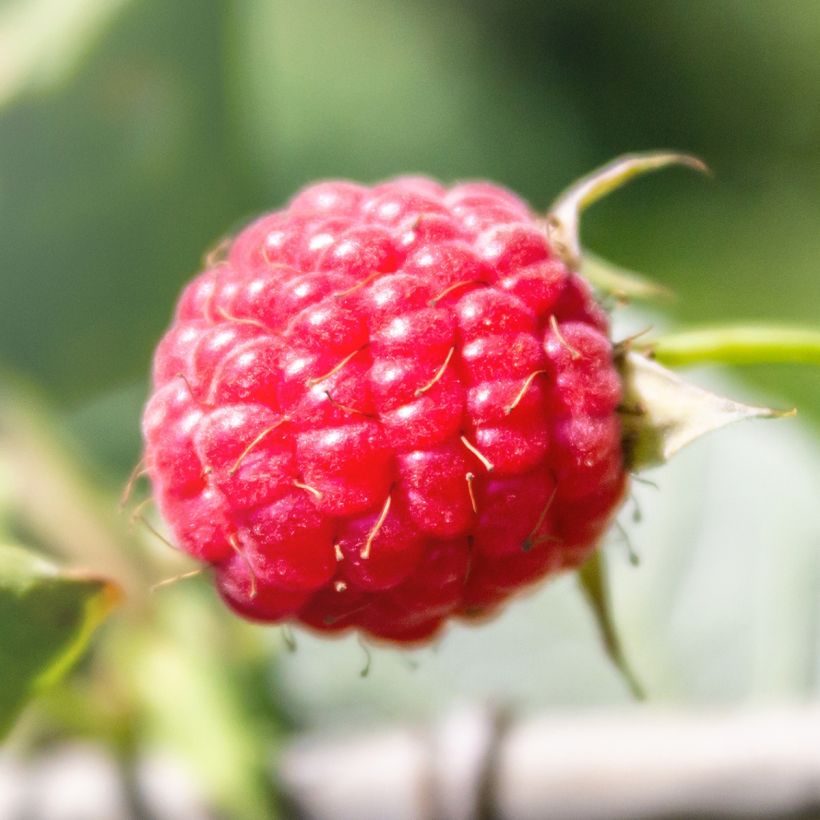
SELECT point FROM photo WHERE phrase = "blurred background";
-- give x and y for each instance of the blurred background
(136, 133)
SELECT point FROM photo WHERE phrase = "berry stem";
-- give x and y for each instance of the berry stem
(593, 582)
(741, 344)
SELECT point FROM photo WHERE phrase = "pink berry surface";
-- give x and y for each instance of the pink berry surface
(383, 408)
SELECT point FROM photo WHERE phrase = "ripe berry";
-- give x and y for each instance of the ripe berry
(384, 408)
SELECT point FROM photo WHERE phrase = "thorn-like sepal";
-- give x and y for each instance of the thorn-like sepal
(661, 413)
(563, 219)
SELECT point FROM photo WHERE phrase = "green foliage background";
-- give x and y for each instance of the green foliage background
(135, 133)
(179, 120)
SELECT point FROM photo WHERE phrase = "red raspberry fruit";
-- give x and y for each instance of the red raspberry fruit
(386, 407)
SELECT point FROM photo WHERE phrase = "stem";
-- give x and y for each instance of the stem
(742, 344)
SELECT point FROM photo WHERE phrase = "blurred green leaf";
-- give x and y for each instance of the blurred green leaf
(368, 89)
(111, 189)
(46, 621)
(203, 691)
(41, 40)
(724, 605)
(53, 498)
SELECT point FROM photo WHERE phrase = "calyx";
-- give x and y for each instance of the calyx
(660, 412)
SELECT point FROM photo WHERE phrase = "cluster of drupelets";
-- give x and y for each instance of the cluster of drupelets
(383, 407)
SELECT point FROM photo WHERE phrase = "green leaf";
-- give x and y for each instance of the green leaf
(42, 40)
(204, 693)
(47, 618)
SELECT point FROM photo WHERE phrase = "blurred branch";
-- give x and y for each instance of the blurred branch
(632, 765)
(47, 489)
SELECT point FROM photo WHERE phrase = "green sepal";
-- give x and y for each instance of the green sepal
(661, 413)
(621, 283)
(563, 219)
(593, 582)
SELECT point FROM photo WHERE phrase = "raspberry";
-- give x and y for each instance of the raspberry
(384, 408)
